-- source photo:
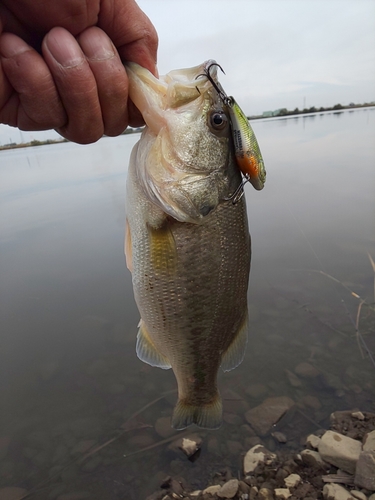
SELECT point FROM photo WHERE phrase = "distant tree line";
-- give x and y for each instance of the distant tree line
(313, 109)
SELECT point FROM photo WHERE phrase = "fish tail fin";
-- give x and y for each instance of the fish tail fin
(206, 415)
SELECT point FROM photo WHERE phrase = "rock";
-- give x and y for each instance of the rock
(253, 493)
(365, 471)
(358, 415)
(12, 493)
(340, 450)
(256, 390)
(252, 441)
(372, 497)
(293, 380)
(234, 447)
(233, 402)
(176, 487)
(256, 455)
(212, 490)
(336, 492)
(213, 445)
(306, 370)
(311, 402)
(264, 416)
(229, 489)
(82, 446)
(139, 441)
(243, 488)
(292, 481)
(189, 444)
(232, 419)
(282, 493)
(163, 427)
(369, 442)
(312, 441)
(313, 459)
(265, 494)
(358, 495)
(279, 436)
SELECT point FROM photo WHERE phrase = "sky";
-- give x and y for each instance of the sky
(275, 53)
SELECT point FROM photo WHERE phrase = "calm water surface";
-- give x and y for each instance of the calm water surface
(70, 377)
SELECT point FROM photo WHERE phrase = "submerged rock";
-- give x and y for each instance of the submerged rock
(264, 416)
(12, 493)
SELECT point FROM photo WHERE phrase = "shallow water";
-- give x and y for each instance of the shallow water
(69, 373)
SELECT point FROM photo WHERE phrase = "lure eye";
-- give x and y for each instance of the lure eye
(219, 120)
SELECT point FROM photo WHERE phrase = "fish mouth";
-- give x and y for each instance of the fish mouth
(154, 96)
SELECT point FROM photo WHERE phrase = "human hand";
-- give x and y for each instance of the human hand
(61, 65)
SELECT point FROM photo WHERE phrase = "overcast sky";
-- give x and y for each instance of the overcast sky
(276, 53)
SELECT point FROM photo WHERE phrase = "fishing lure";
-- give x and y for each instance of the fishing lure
(246, 147)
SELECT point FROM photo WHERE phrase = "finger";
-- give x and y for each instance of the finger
(135, 116)
(76, 85)
(131, 31)
(31, 101)
(110, 77)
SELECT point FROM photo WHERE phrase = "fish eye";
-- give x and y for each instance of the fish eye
(219, 120)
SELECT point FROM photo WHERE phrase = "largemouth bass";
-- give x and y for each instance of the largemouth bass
(187, 244)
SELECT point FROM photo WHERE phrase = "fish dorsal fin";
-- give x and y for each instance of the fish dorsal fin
(128, 247)
(146, 350)
(234, 355)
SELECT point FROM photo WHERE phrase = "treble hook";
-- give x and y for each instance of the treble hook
(239, 192)
(223, 96)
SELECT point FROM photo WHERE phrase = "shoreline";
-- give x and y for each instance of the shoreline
(281, 114)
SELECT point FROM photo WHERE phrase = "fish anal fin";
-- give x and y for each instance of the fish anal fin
(128, 247)
(146, 350)
(208, 415)
(162, 247)
(235, 353)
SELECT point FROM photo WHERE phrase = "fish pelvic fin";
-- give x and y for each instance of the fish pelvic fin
(146, 350)
(235, 353)
(207, 415)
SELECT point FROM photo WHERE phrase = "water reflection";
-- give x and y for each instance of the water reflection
(69, 373)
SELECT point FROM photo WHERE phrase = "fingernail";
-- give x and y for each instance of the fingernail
(64, 48)
(97, 48)
(12, 46)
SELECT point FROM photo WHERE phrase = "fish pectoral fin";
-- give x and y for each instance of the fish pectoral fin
(162, 247)
(128, 247)
(235, 353)
(146, 350)
(207, 415)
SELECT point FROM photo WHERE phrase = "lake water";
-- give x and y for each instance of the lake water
(70, 377)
